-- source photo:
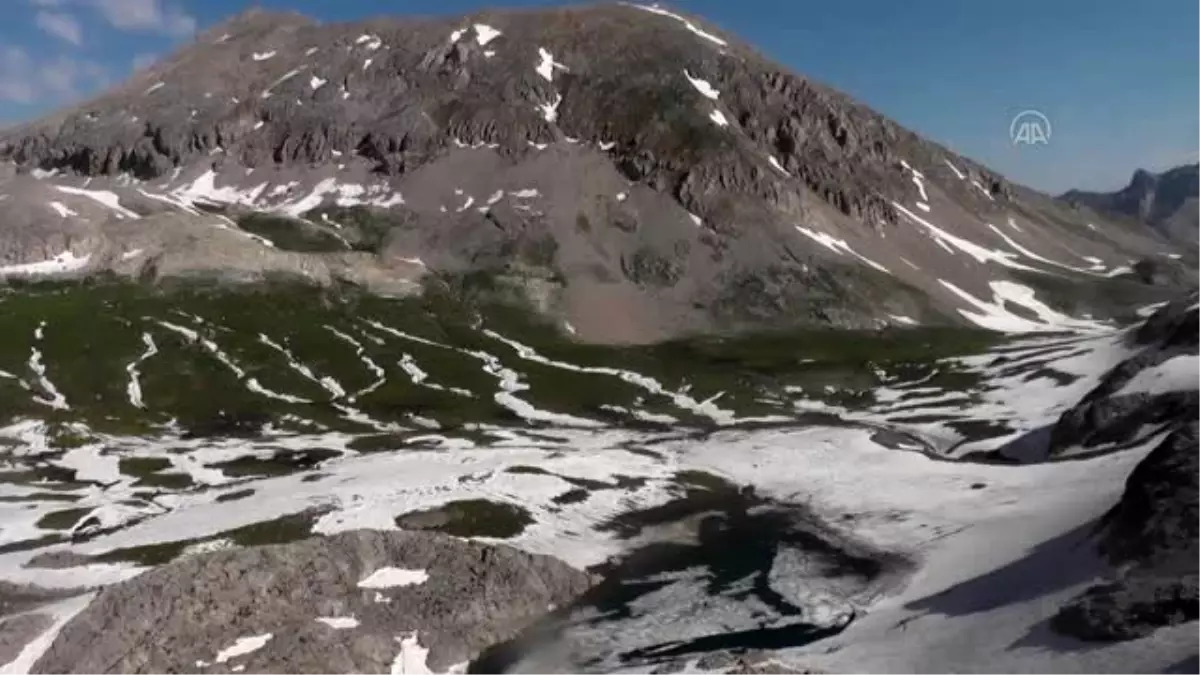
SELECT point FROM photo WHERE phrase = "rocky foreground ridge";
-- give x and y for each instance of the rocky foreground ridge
(630, 170)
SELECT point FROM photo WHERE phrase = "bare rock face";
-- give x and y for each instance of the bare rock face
(1166, 201)
(1151, 535)
(354, 602)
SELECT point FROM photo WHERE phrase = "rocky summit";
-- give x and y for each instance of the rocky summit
(575, 340)
(637, 173)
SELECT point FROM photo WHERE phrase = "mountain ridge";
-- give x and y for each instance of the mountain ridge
(1166, 201)
(712, 189)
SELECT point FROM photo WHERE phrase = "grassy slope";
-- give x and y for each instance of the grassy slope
(94, 330)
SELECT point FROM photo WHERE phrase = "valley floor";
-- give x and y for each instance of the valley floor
(879, 551)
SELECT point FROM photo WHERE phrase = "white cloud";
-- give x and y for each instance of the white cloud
(24, 81)
(60, 25)
(156, 16)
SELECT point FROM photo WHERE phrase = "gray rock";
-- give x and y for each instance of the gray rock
(1166, 201)
(176, 617)
(18, 631)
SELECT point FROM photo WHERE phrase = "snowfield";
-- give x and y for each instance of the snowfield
(991, 551)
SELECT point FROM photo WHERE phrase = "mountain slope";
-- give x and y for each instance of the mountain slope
(633, 172)
(1166, 201)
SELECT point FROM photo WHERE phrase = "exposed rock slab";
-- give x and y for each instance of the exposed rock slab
(353, 602)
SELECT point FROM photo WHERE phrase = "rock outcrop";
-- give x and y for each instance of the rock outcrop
(354, 602)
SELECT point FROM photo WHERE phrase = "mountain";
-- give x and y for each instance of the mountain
(635, 173)
(726, 371)
(1166, 201)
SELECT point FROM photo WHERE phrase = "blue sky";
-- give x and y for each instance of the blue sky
(1117, 78)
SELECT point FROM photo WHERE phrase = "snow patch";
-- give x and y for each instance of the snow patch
(702, 86)
(243, 646)
(62, 263)
(960, 174)
(994, 315)
(394, 577)
(655, 9)
(104, 197)
(949, 242)
(839, 246)
(550, 110)
(338, 622)
(262, 56)
(62, 210)
(485, 34)
(134, 387)
(546, 65)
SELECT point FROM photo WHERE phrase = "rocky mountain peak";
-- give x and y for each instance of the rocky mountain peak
(679, 174)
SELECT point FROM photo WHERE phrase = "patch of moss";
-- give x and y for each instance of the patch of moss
(62, 520)
(282, 463)
(282, 530)
(234, 496)
(470, 518)
(142, 466)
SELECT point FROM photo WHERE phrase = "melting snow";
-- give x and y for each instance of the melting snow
(243, 646)
(979, 253)
(134, 388)
(56, 400)
(339, 622)
(262, 56)
(104, 197)
(960, 174)
(66, 261)
(316, 83)
(719, 118)
(393, 577)
(1034, 256)
(995, 316)
(919, 179)
(546, 65)
(688, 24)
(839, 246)
(485, 34)
(775, 163)
(62, 210)
(154, 87)
(371, 41)
(983, 190)
(412, 657)
(550, 110)
(702, 86)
